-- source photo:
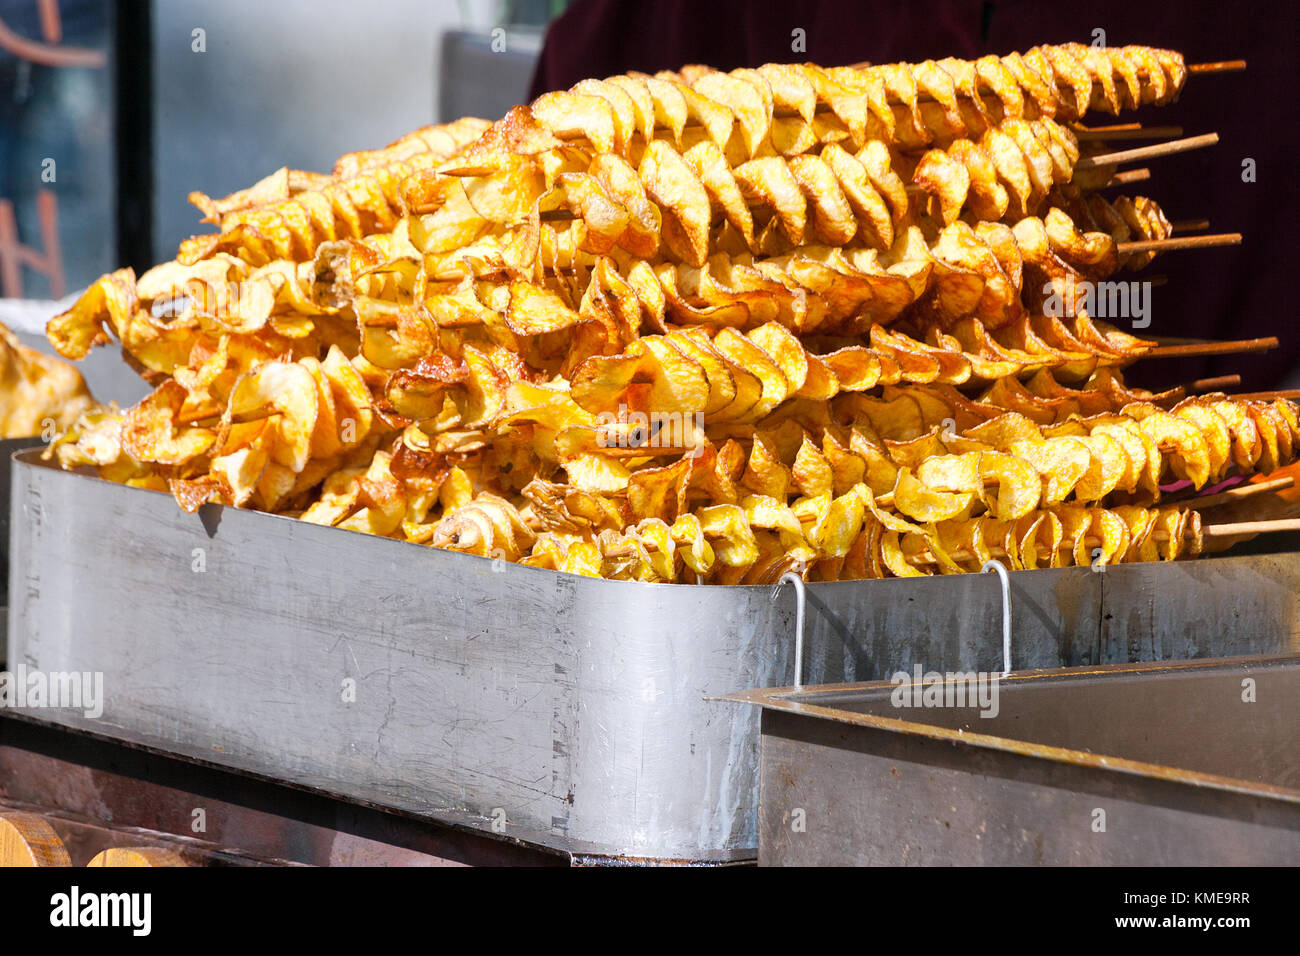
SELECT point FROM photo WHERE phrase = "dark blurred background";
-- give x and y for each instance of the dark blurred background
(167, 97)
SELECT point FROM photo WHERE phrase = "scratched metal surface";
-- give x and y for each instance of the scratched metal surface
(7, 448)
(574, 708)
(1148, 764)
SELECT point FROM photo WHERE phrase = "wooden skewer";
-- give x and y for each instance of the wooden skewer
(1251, 527)
(1188, 349)
(1114, 127)
(1126, 131)
(1128, 176)
(1222, 66)
(1190, 225)
(1148, 152)
(1217, 384)
(1268, 396)
(1248, 490)
(1188, 242)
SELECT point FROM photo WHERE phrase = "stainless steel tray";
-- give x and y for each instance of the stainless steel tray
(8, 446)
(1148, 764)
(569, 708)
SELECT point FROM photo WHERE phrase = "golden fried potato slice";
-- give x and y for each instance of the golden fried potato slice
(623, 108)
(1246, 443)
(717, 372)
(569, 115)
(765, 473)
(489, 527)
(716, 120)
(621, 181)
(697, 344)
(1267, 426)
(811, 472)
(857, 369)
(650, 377)
(833, 220)
(111, 299)
(875, 225)
(834, 533)
(1019, 487)
(954, 368)
(1075, 524)
(642, 103)
(1028, 546)
(947, 180)
(1108, 467)
(711, 167)
(728, 532)
(682, 199)
(606, 220)
(893, 558)
(955, 474)
(694, 548)
(287, 390)
(534, 310)
(152, 432)
(743, 98)
(909, 454)
(1062, 462)
(1214, 430)
(788, 353)
(770, 182)
(1182, 440)
(746, 354)
(899, 418)
(1004, 431)
(1115, 534)
(659, 492)
(917, 500)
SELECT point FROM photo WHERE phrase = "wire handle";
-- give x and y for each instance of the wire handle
(791, 578)
(1001, 570)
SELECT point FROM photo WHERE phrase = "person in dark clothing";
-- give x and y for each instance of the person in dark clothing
(1235, 292)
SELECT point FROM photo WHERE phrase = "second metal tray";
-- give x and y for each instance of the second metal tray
(1192, 763)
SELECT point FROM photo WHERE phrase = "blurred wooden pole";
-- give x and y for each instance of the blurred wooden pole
(27, 840)
(137, 856)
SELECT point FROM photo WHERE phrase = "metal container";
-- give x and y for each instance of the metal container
(8, 446)
(1187, 764)
(107, 376)
(571, 711)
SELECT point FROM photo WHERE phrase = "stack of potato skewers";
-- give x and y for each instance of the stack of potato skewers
(699, 327)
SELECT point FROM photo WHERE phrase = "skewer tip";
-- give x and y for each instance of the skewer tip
(1221, 66)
